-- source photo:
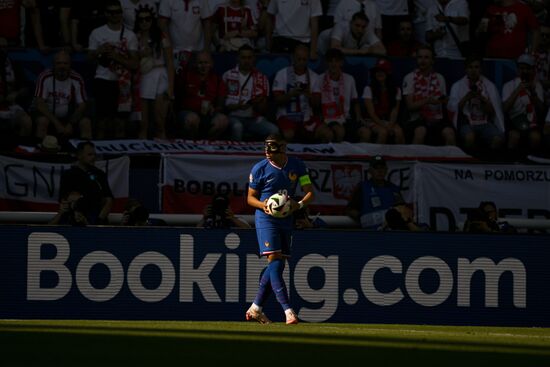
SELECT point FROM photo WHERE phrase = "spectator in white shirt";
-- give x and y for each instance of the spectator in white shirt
(115, 49)
(354, 38)
(60, 98)
(347, 8)
(298, 97)
(447, 27)
(522, 100)
(296, 22)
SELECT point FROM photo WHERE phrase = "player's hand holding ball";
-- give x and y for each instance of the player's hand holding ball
(278, 205)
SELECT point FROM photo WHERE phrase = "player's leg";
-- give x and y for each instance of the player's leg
(264, 291)
(266, 243)
(277, 262)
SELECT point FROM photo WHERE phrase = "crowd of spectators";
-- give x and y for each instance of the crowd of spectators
(154, 73)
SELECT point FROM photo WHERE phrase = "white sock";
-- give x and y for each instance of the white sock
(255, 307)
(289, 312)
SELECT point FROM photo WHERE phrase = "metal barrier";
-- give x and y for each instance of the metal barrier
(190, 220)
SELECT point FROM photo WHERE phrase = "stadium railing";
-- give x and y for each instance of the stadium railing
(185, 220)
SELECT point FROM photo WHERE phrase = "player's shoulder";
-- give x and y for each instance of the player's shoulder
(260, 165)
(294, 159)
(295, 162)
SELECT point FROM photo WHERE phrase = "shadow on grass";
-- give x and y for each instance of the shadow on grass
(267, 333)
(190, 348)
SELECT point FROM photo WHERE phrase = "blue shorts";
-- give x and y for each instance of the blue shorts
(272, 240)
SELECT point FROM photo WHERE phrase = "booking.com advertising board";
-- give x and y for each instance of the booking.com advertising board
(196, 274)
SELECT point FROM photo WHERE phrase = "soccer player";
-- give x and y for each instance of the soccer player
(275, 173)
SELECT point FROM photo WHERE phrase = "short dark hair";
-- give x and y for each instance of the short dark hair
(426, 47)
(301, 46)
(360, 15)
(406, 19)
(483, 204)
(472, 58)
(279, 138)
(109, 3)
(80, 147)
(246, 47)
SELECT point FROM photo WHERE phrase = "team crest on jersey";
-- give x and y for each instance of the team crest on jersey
(292, 176)
(267, 244)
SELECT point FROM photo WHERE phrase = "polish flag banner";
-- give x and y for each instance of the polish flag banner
(189, 182)
(28, 185)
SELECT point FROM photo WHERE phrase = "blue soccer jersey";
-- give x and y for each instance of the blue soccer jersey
(268, 179)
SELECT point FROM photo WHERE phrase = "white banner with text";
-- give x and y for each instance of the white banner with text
(190, 181)
(27, 185)
(445, 192)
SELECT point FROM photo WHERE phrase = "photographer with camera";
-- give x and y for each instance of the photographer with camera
(72, 211)
(135, 214)
(400, 217)
(218, 214)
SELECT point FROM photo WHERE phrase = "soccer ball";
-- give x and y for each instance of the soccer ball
(278, 205)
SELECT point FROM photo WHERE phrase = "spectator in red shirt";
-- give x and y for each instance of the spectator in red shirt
(201, 99)
(234, 25)
(508, 23)
(10, 18)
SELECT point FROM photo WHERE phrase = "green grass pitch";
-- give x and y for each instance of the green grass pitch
(172, 343)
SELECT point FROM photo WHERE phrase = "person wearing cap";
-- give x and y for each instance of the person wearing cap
(382, 101)
(61, 102)
(522, 99)
(218, 214)
(373, 197)
(277, 173)
(49, 145)
(354, 38)
(475, 109)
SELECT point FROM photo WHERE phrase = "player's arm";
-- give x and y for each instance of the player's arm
(253, 199)
(307, 188)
